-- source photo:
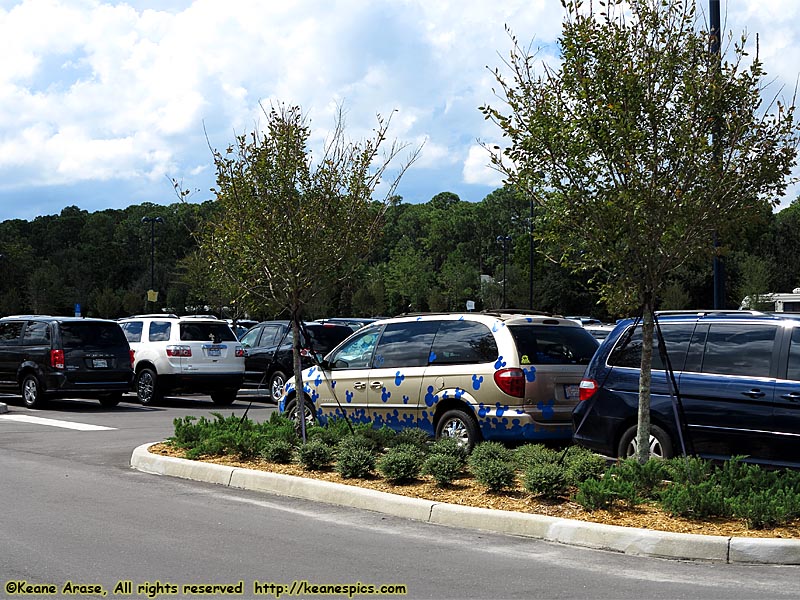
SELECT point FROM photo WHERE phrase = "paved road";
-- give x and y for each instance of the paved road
(71, 509)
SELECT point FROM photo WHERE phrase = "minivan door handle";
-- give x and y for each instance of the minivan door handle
(755, 393)
(359, 385)
(791, 396)
(376, 385)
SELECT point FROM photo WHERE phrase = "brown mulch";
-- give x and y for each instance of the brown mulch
(468, 492)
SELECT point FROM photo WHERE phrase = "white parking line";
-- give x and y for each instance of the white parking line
(55, 423)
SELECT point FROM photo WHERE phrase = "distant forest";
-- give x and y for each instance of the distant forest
(433, 256)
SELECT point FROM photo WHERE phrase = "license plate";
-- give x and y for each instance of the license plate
(571, 392)
(99, 363)
(214, 352)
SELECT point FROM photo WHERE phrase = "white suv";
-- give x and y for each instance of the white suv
(192, 354)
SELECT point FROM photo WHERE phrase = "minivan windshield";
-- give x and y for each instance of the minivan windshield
(92, 335)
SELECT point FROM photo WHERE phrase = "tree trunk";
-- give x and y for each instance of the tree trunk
(643, 427)
(298, 375)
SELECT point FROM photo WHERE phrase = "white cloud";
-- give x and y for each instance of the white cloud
(477, 168)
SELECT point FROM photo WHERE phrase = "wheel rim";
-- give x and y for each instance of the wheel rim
(145, 387)
(457, 430)
(656, 449)
(277, 386)
(30, 391)
(308, 412)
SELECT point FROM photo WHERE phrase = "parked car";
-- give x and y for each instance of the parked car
(187, 354)
(268, 351)
(43, 356)
(468, 376)
(355, 323)
(738, 388)
(599, 331)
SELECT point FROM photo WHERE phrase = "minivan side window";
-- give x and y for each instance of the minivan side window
(463, 342)
(36, 333)
(676, 339)
(9, 332)
(793, 370)
(356, 354)
(133, 331)
(405, 344)
(744, 350)
(159, 331)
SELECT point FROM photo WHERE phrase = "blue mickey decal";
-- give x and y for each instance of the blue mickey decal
(430, 399)
(379, 360)
(476, 382)
(431, 356)
(385, 395)
(500, 409)
(398, 378)
(547, 408)
(314, 397)
(530, 374)
(348, 396)
(406, 399)
(333, 384)
(459, 393)
(318, 380)
(482, 410)
(500, 363)
(310, 372)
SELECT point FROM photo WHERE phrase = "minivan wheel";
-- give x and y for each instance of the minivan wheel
(276, 383)
(110, 400)
(147, 387)
(31, 391)
(460, 426)
(291, 412)
(660, 443)
(224, 397)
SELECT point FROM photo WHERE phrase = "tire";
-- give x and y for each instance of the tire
(291, 412)
(660, 443)
(110, 400)
(147, 389)
(224, 397)
(276, 383)
(31, 390)
(459, 425)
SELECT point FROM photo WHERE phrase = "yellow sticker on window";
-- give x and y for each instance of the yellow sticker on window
(525, 360)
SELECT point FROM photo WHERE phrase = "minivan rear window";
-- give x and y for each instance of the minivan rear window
(553, 344)
(89, 335)
(676, 339)
(463, 342)
(206, 332)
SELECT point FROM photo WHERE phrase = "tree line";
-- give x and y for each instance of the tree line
(431, 256)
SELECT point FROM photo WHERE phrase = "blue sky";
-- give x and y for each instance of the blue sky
(102, 103)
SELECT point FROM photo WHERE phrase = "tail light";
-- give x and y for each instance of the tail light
(305, 352)
(181, 351)
(239, 352)
(587, 389)
(57, 359)
(132, 361)
(511, 381)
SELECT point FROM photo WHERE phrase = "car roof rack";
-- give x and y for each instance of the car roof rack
(154, 316)
(518, 311)
(714, 312)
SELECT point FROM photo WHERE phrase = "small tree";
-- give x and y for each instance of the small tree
(638, 147)
(288, 226)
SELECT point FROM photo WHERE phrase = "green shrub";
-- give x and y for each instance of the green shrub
(494, 473)
(449, 447)
(765, 508)
(490, 451)
(595, 494)
(688, 469)
(356, 458)
(548, 479)
(581, 466)
(534, 454)
(381, 438)
(400, 463)
(315, 455)
(444, 468)
(413, 436)
(696, 501)
(331, 433)
(646, 479)
(277, 450)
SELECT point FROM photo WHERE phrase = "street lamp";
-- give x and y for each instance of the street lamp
(152, 221)
(505, 240)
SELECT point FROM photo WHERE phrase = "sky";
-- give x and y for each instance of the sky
(103, 104)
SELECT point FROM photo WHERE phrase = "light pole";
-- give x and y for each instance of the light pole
(715, 51)
(152, 221)
(530, 259)
(505, 240)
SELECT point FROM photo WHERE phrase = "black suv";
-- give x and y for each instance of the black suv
(268, 351)
(738, 388)
(44, 356)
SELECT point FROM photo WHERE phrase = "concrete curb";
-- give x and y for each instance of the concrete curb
(3, 408)
(627, 540)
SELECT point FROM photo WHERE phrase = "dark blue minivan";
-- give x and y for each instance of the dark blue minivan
(736, 389)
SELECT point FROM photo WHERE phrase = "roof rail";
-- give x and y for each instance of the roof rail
(518, 311)
(154, 316)
(701, 312)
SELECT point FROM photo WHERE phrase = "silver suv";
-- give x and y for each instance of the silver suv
(469, 376)
(191, 354)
